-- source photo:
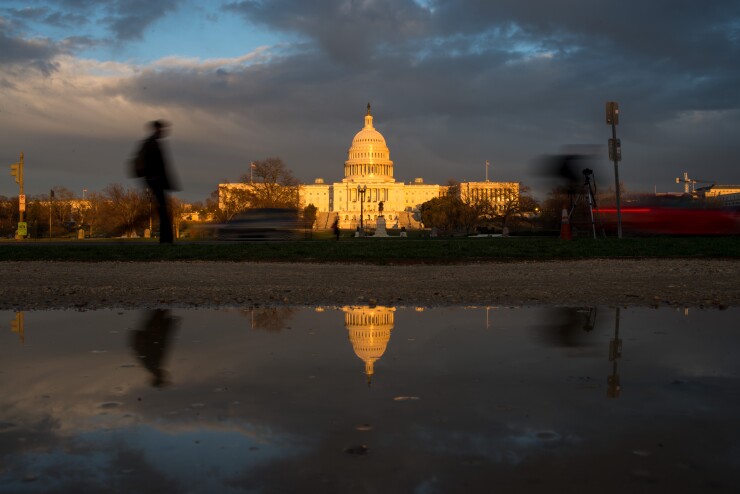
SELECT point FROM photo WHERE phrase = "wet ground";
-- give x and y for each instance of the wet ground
(370, 399)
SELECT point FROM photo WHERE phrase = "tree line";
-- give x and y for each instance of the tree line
(120, 210)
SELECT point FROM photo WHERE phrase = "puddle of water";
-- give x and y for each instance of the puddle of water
(378, 399)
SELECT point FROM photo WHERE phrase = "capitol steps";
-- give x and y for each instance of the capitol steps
(324, 220)
(406, 219)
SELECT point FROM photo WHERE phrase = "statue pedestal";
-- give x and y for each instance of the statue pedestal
(380, 228)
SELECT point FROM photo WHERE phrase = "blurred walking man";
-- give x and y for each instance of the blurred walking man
(152, 166)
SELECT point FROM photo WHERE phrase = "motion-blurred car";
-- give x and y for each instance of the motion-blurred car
(263, 224)
(650, 218)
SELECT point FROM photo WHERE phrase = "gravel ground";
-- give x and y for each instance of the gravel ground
(637, 282)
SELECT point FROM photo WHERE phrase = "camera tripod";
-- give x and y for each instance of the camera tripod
(588, 195)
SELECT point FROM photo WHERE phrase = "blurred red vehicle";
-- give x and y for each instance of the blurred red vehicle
(654, 219)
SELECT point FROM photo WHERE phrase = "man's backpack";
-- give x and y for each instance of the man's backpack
(138, 163)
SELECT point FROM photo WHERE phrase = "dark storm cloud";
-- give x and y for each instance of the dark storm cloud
(471, 79)
(36, 53)
(45, 15)
(674, 58)
(453, 83)
(128, 19)
(348, 30)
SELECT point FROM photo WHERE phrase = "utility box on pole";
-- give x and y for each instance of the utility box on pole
(612, 113)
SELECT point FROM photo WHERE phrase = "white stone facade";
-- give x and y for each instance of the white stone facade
(368, 167)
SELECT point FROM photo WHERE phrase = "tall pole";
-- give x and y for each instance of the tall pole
(51, 200)
(20, 187)
(16, 169)
(361, 192)
(616, 180)
(251, 169)
(615, 154)
(487, 165)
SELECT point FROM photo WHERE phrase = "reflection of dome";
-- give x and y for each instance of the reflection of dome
(369, 332)
(368, 157)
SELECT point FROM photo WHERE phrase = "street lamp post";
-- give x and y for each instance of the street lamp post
(361, 192)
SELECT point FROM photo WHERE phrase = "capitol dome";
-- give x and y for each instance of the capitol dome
(368, 159)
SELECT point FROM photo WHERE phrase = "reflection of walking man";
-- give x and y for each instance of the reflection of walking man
(150, 343)
(152, 166)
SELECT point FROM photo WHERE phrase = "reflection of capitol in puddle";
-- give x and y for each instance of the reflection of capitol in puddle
(369, 332)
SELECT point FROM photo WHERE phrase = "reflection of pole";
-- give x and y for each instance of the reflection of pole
(615, 353)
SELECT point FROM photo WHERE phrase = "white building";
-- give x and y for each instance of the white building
(369, 180)
(368, 168)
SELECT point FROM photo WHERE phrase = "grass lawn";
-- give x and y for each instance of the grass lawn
(376, 251)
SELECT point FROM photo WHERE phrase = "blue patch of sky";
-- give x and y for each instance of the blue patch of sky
(426, 4)
(199, 33)
(191, 31)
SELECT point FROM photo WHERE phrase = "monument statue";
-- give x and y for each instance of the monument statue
(380, 224)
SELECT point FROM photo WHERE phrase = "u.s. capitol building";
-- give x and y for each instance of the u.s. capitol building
(369, 179)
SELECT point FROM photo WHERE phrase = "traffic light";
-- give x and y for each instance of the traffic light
(612, 113)
(15, 170)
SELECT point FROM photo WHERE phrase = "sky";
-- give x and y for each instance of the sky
(452, 83)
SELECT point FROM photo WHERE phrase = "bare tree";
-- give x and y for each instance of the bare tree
(94, 214)
(229, 200)
(61, 205)
(449, 214)
(127, 208)
(273, 185)
(8, 215)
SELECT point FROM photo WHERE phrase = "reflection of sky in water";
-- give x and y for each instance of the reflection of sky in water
(474, 392)
(195, 460)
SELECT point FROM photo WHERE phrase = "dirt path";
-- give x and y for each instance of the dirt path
(647, 282)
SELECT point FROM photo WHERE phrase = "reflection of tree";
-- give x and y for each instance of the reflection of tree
(567, 327)
(270, 318)
(150, 343)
